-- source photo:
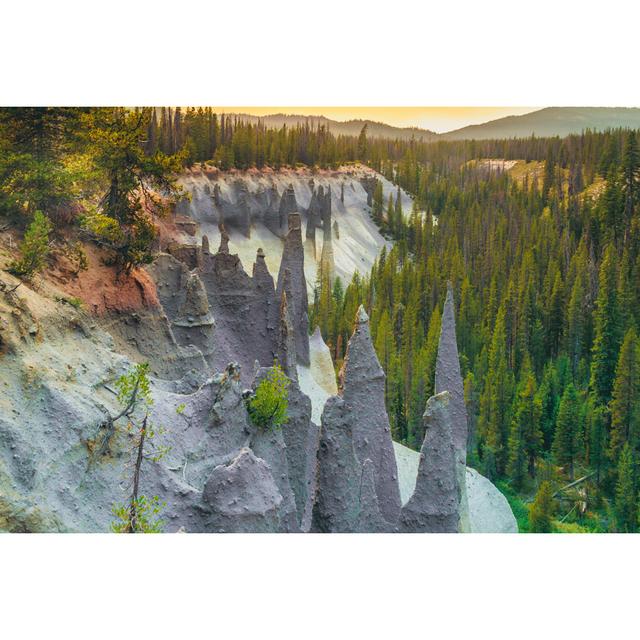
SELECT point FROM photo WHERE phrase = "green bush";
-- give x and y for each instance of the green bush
(34, 249)
(268, 405)
(146, 520)
(542, 510)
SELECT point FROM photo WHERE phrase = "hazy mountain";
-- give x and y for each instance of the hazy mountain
(349, 128)
(552, 121)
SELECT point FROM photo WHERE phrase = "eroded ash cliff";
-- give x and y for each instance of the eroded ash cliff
(211, 332)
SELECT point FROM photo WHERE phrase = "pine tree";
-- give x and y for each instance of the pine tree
(525, 437)
(548, 397)
(495, 401)
(607, 331)
(596, 439)
(363, 147)
(630, 178)
(625, 403)
(626, 506)
(565, 442)
(390, 220)
(398, 218)
(377, 208)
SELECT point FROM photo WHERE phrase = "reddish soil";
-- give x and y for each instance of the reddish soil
(98, 287)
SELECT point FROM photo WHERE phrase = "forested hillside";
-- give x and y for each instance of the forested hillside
(547, 280)
(544, 258)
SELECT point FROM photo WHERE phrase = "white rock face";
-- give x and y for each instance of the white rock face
(359, 241)
(318, 381)
(489, 511)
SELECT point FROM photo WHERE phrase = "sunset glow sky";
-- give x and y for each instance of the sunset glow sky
(438, 119)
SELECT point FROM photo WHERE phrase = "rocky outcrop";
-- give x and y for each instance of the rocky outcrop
(337, 506)
(242, 497)
(327, 262)
(184, 300)
(244, 214)
(189, 254)
(355, 429)
(347, 500)
(296, 286)
(433, 507)
(288, 205)
(362, 382)
(242, 308)
(448, 378)
(286, 339)
(265, 309)
(302, 438)
(369, 184)
(269, 445)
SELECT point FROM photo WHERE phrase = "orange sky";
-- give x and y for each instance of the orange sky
(437, 119)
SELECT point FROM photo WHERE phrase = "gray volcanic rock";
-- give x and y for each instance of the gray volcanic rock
(449, 378)
(362, 382)
(170, 276)
(147, 335)
(265, 310)
(302, 438)
(327, 261)
(288, 205)
(433, 507)
(189, 254)
(369, 185)
(286, 339)
(241, 307)
(337, 506)
(185, 303)
(293, 262)
(370, 520)
(242, 497)
(346, 500)
(243, 218)
(269, 444)
(271, 211)
(228, 415)
(195, 306)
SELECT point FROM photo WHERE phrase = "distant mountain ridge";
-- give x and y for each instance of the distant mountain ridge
(347, 128)
(550, 121)
(546, 122)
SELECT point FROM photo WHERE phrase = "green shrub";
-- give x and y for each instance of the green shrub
(34, 249)
(518, 506)
(542, 510)
(268, 405)
(147, 518)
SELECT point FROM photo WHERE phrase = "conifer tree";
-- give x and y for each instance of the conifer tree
(625, 403)
(525, 437)
(607, 332)
(565, 442)
(495, 402)
(378, 204)
(630, 178)
(363, 147)
(542, 510)
(626, 506)
(390, 220)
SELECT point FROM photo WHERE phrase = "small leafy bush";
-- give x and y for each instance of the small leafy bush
(268, 405)
(146, 520)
